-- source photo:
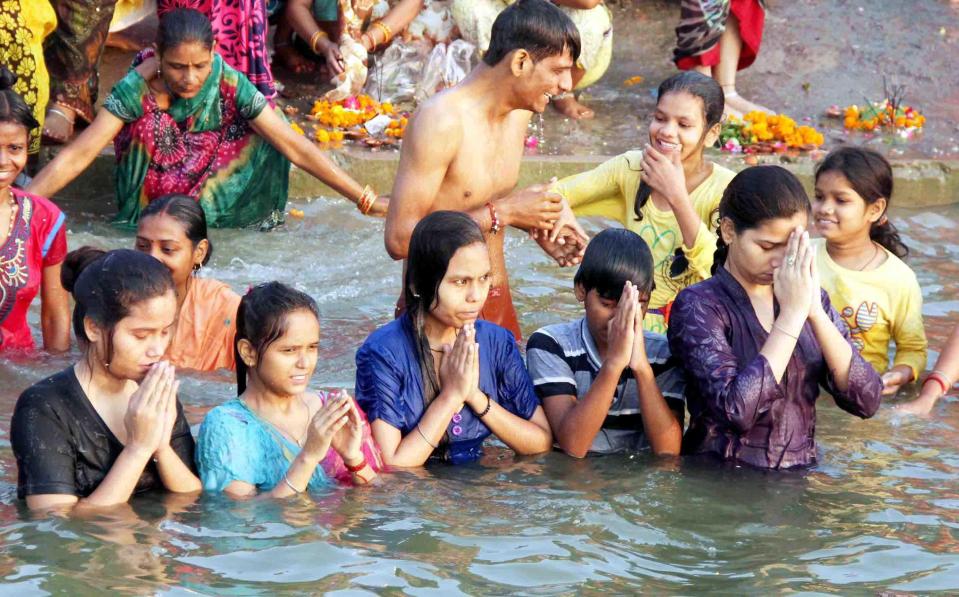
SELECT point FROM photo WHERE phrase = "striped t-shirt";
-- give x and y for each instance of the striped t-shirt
(563, 360)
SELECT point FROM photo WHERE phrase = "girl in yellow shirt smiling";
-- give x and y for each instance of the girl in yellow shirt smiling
(668, 193)
(861, 267)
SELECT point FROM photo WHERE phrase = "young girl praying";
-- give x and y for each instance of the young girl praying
(277, 437)
(668, 192)
(860, 264)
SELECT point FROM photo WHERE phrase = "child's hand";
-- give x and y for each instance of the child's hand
(665, 174)
(621, 330)
(894, 379)
(638, 360)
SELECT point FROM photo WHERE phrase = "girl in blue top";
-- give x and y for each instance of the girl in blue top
(436, 381)
(277, 437)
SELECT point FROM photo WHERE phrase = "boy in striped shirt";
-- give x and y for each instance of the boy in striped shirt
(607, 385)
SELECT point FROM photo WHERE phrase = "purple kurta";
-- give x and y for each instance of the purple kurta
(737, 409)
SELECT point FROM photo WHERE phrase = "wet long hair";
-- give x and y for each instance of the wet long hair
(616, 256)
(436, 238)
(12, 107)
(261, 321)
(107, 285)
(188, 212)
(535, 26)
(870, 175)
(754, 196)
(183, 25)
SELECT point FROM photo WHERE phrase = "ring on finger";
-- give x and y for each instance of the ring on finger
(790, 261)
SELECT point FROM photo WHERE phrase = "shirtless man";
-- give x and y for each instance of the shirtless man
(463, 148)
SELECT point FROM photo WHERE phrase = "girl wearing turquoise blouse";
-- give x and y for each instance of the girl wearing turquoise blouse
(277, 437)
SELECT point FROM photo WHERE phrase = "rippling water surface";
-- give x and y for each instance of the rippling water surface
(879, 512)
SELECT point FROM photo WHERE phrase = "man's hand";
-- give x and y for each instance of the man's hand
(566, 251)
(533, 207)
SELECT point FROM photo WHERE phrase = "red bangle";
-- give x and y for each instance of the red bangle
(939, 379)
(356, 468)
(495, 224)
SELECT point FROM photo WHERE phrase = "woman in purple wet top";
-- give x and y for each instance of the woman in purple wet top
(759, 338)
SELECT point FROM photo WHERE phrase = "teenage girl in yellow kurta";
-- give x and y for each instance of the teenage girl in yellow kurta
(861, 267)
(668, 192)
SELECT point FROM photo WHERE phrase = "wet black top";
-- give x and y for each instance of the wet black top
(64, 447)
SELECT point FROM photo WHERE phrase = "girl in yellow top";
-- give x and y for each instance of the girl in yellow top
(668, 193)
(861, 267)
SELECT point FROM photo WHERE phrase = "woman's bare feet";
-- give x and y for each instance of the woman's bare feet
(737, 103)
(295, 62)
(569, 106)
(58, 124)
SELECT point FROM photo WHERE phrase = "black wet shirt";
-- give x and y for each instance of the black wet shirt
(63, 446)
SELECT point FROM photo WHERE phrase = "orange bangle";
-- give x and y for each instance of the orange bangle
(387, 33)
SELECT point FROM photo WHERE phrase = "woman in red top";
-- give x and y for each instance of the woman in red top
(33, 239)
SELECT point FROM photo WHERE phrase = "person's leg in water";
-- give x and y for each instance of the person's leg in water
(568, 105)
(730, 47)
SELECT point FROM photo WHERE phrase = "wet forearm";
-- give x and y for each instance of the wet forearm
(835, 350)
(663, 431)
(521, 435)
(175, 475)
(579, 426)
(121, 481)
(417, 445)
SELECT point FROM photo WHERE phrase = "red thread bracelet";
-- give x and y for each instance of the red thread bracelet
(939, 379)
(356, 468)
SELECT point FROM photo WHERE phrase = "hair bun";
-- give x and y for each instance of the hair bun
(74, 264)
(7, 78)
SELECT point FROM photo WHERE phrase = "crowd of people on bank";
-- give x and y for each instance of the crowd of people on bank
(712, 318)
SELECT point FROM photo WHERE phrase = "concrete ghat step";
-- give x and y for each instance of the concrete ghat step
(919, 183)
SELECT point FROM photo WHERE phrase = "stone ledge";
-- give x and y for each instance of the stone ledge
(919, 183)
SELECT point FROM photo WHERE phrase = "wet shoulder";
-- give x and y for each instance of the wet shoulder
(231, 415)
(565, 337)
(52, 392)
(441, 114)
(209, 289)
(390, 338)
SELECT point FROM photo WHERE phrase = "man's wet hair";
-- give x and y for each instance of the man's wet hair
(536, 26)
(616, 256)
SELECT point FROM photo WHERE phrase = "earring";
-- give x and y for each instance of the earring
(196, 268)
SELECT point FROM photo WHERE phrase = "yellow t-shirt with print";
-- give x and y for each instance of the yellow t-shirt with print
(609, 190)
(878, 305)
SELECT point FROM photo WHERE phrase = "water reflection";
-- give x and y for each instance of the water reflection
(880, 511)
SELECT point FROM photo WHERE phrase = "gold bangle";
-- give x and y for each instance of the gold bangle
(387, 33)
(366, 200)
(317, 36)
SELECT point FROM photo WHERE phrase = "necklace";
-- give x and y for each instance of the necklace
(298, 440)
(871, 259)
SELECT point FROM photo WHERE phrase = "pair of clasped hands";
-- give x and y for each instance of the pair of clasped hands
(796, 284)
(459, 371)
(625, 344)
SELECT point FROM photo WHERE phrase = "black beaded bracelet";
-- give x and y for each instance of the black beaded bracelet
(489, 405)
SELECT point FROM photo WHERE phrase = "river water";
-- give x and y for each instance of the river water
(879, 512)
